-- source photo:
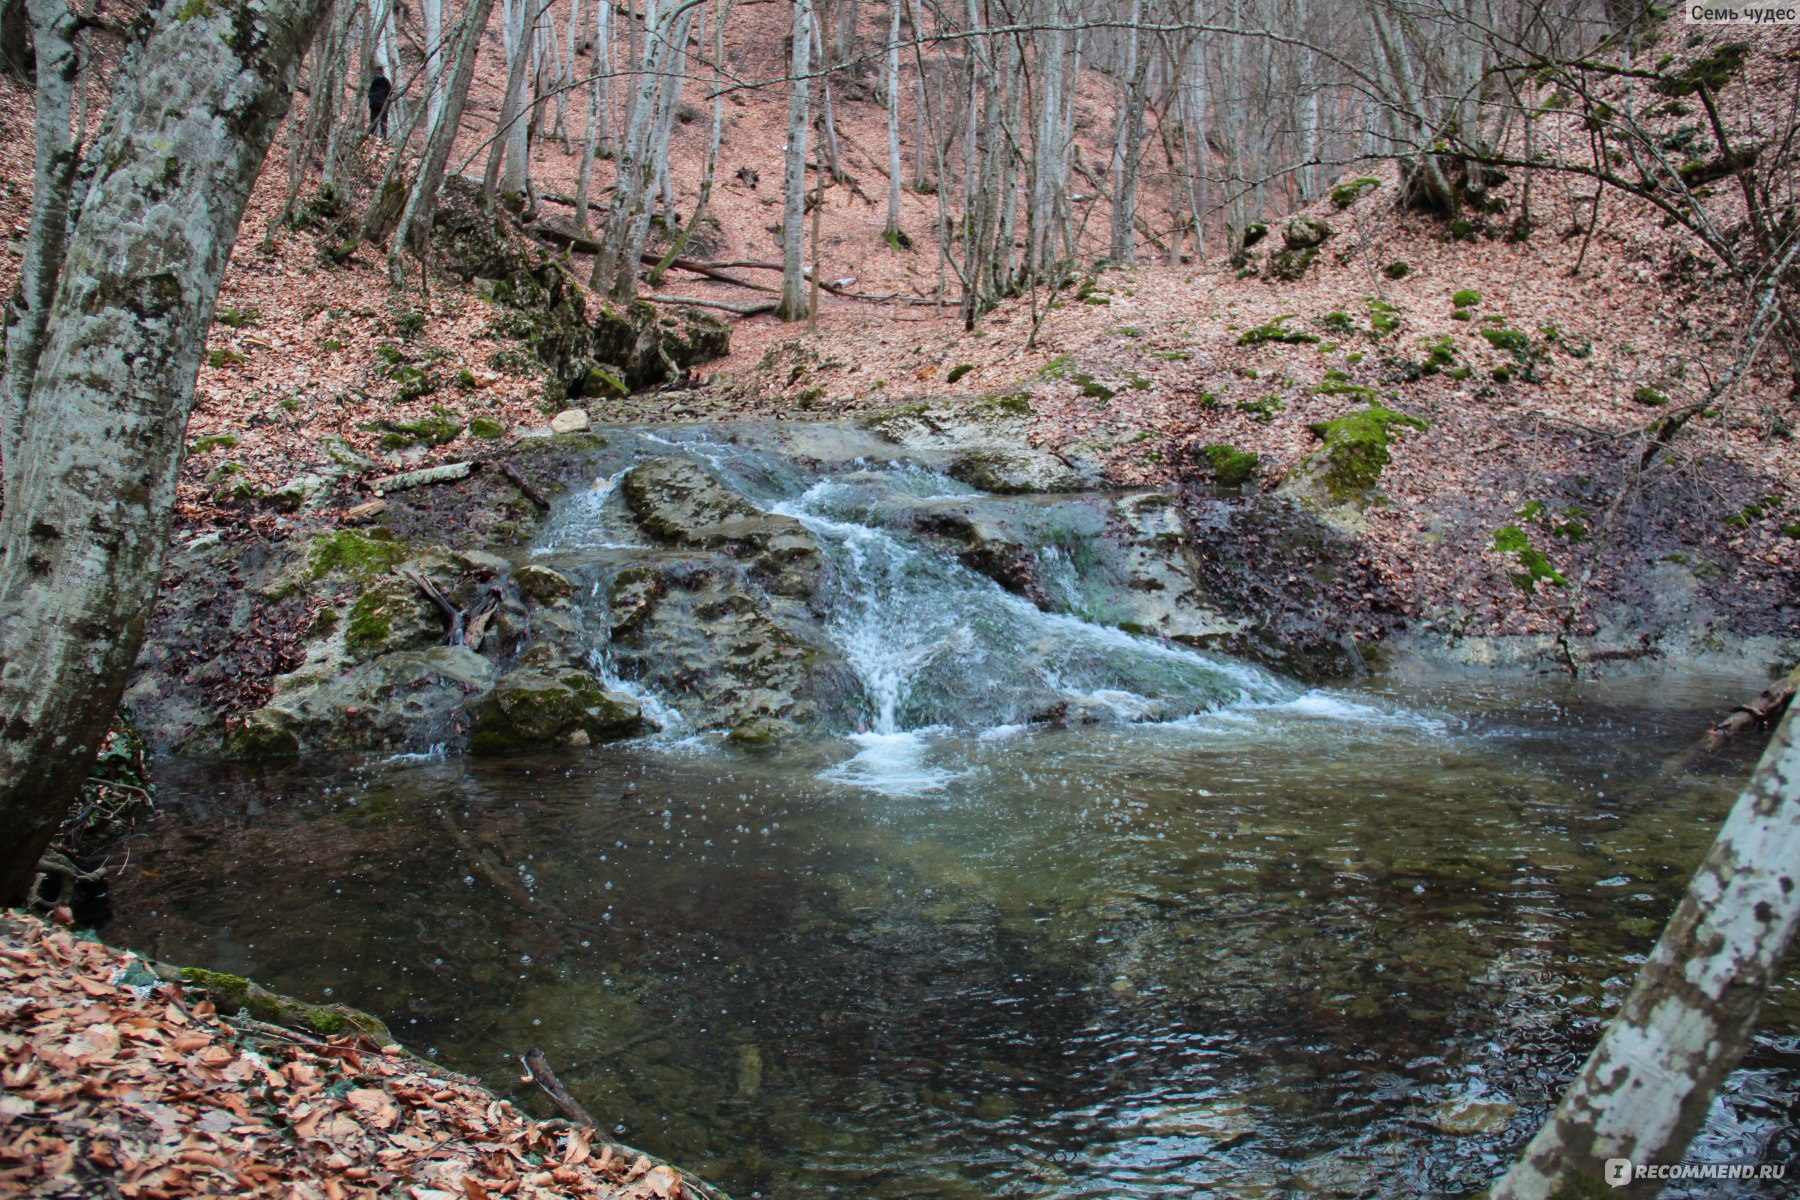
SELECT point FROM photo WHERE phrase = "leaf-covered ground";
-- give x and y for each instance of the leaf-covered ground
(116, 1083)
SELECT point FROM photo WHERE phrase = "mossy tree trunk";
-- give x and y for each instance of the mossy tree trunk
(1646, 1088)
(95, 446)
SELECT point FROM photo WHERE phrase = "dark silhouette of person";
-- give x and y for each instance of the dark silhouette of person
(379, 91)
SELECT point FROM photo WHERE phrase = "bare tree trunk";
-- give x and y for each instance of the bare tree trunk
(793, 232)
(519, 20)
(1647, 1086)
(828, 139)
(892, 88)
(645, 148)
(1128, 143)
(53, 178)
(91, 489)
(431, 13)
(414, 231)
(599, 115)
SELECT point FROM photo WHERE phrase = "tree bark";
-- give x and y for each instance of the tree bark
(1647, 1086)
(793, 232)
(414, 231)
(91, 492)
(53, 180)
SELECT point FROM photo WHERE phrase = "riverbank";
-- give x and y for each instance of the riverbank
(118, 1082)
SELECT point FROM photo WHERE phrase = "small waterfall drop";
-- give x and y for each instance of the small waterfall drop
(935, 647)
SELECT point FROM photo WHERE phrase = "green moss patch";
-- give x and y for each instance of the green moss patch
(234, 993)
(1467, 298)
(1349, 192)
(1356, 449)
(1231, 467)
(364, 556)
(1276, 331)
(213, 441)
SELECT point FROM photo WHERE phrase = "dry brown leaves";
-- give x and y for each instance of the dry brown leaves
(135, 1091)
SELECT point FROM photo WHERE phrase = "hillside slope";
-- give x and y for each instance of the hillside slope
(1538, 396)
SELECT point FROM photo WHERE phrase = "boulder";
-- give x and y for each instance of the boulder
(533, 707)
(543, 585)
(1010, 471)
(570, 420)
(678, 502)
(1304, 233)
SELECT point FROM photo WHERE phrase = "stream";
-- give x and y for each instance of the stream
(1043, 909)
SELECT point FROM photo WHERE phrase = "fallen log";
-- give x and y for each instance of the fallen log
(561, 235)
(446, 473)
(359, 513)
(1765, 710)
(742, 310)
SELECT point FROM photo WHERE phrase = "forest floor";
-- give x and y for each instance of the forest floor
(119, 1083)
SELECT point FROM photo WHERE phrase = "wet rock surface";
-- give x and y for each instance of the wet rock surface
(748, 579)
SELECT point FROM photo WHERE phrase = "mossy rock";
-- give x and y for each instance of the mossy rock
(1356, 450)
(1349, 192)
(1649, 397)
(1467, 298)
(265, 733)
(1304, 233)
(1288, 266)
(1231, 467)
(603, 383)
(439, 429)
(759, 733)
(695, 338)
(1398, 269)
(391, 616)
(234, 993)
(632, 598)
(538, 708)
(362, 556)
(486, 428)
(543, 585)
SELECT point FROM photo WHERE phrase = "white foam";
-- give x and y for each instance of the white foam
(891, 764)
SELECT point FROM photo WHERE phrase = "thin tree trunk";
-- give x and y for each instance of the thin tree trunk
(414, 231)
(793, 233)
(1645, 1090)
(892, 88)
(1128, 139)
(91, 491)
(57, 156)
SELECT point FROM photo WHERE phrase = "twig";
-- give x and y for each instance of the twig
(523, 484)
(456, 617)
(539, 1068)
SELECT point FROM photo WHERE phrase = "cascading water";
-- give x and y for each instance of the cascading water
(934, 645)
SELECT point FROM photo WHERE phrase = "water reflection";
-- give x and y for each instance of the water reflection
(1341, 946)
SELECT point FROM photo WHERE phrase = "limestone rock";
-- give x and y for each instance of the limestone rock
(570, 420)
(532, 707)
(1304, 233)
(1010, 471)
(543, 585)
(265, 733)
(677, 501)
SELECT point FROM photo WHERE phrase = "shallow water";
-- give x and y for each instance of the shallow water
(1331, 943)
